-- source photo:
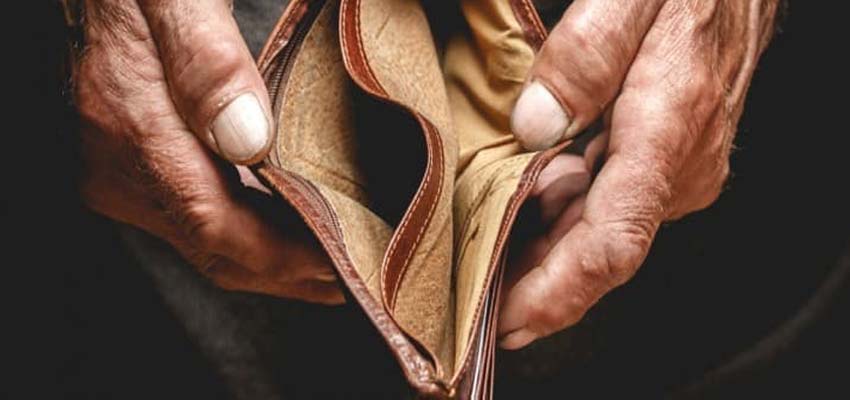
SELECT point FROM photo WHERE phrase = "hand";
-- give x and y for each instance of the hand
(670, 77)
(160, 87)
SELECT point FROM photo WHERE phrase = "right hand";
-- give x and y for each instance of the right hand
(165, 90)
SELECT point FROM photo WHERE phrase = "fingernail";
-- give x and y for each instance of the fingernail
(517, 339)
(538, 120)
(241, 130)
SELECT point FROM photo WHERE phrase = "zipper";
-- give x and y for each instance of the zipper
(329, 232)
(283, 61)
(277, 74)
(323, 221)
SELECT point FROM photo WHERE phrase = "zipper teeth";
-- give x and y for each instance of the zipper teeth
(284, 60)
(328, 211)
(327, 215)
(281, 66)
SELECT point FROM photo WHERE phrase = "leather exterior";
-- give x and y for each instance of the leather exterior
(429, 376)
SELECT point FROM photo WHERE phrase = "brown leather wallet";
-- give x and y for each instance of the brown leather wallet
(393, 144)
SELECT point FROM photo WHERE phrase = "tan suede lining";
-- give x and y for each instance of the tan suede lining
(467, 96)
(400, 50)
(317, 137)
(317, 141)
(485, 67)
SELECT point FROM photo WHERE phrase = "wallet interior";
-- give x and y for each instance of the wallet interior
(393, 142)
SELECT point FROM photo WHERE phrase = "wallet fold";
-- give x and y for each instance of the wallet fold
(393, 145)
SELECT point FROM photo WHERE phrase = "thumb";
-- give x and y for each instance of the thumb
(212, 77)
(580, 69)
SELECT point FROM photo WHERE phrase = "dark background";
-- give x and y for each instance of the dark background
(86, 323)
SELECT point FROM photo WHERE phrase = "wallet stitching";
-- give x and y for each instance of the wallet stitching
(428, 169)
(370, 76)
(372, 82)
(283, 32)
(433, 207)
(525, 15)
(373, 85)
(403, 349)
(505, 220)
(535, 20)
(337, 251)
(360, 50)
(403, 227)
(527, 179)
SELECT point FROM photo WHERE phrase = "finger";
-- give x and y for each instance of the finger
(580, 69)
(564, 178)
(595, 151)
(560, 194)
(623, 209)
(533, 251)
(238, 231)
(670, 97)
(107, 192)
(250, 249)
(212, 77)
(225, 227)
(307, 277)
(562, 164)
(230, 276)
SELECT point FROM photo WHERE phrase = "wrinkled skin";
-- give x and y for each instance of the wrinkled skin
(669, 79)
(149, 84)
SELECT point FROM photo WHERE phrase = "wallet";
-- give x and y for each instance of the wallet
(393, 145)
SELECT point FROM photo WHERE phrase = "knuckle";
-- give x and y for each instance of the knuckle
(106, 90)
(599, 61)
(204, 261)
(656, 157)
(218, 61)
(211, 266)
(201, 224)
(547, 315)
(709, 94)
(627, 243)
(649, 173)
(700, 97)
(588, 78)
(702, 82)
(116, 18)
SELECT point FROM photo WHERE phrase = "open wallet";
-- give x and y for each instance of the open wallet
(393, 145)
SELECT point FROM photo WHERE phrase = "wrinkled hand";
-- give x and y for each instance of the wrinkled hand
(161, 86)
(670, 78)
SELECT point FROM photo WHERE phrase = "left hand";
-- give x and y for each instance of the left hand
(671, 77)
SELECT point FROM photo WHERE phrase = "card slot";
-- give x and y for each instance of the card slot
(376, 130)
